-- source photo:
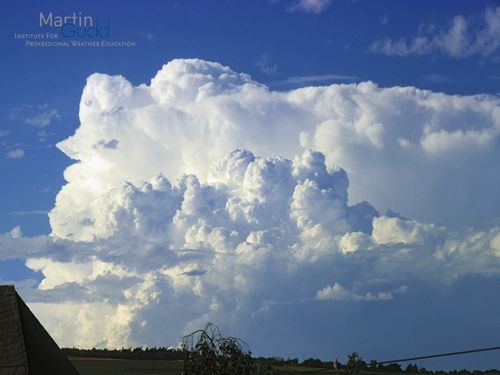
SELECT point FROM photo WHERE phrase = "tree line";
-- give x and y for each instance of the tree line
(154, 353)
(354, 364)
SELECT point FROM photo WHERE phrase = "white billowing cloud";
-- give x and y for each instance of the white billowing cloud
(463, 38)
(413, 151)
(310, 6)
(58, 273)
(16, 153)
(247, 194)
(158, 259)
(198, 110)
(105, 322)
(332, 292)
(178, 210)
(396, 231)
(231, 255)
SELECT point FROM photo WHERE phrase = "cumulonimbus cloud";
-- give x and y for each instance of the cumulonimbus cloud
(206, 196)
(408, 150)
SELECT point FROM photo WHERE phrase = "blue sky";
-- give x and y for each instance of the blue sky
(426, 161)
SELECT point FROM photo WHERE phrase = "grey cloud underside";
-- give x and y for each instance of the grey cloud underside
(206, 222)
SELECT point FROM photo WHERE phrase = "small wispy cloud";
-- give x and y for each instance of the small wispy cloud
(265, 64)
(317, 79)
(29, 213)
(36, 115)
(43, 135)
(16, 232)
(16, 153)
(4, 133)
(310, 6)
(464, 37)
(434, 78)
(337, 292)
(148, 36)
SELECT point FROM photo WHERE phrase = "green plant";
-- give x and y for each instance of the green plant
(209, 353)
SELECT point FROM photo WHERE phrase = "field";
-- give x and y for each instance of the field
(104, 366)
(100, 366)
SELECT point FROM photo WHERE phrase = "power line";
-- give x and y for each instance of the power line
(440, 355)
